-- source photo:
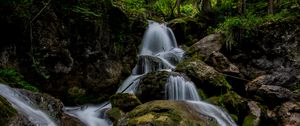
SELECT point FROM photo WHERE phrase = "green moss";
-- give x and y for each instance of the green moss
(76, 92)
(220, 81)
(249, 121)
(114, 114)
(125, 101)
(167, 113)
(152, 86)
(6, 111)
(205, 77)
(14, 79)
(232, 102)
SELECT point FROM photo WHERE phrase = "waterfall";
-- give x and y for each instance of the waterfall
(178, 88)
(24, 106)
(158, 53)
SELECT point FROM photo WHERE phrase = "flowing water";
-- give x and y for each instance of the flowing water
(25, 107)
(159, 53)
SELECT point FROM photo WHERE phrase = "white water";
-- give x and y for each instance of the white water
(178, 88)
(159, 53)
(24, 106)
(90, 115)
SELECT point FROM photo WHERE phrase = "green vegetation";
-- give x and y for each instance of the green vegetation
(161, 10)
(234, 24)
(14, 79)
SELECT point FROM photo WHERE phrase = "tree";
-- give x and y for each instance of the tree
(178, 7)
(242, 7)
(206, 5)
(270, 6)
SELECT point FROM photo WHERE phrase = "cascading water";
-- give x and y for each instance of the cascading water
(24, 106)
(178, 88)
(159, 53)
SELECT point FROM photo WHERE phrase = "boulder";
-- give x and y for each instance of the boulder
(166, 113)
(124, 101)
(187, 28)
(263, 87)
(52, 107)
(274, 94)
(115, 114)
(221, 63)
(289, 114)
(254, 116)
(253, 85)
(205, 77)
(206, 46)
(233, 103)
(152, 86)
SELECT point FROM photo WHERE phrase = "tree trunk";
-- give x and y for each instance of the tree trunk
(242, 7)
(178, 7)
(270, 6)
(206, 5)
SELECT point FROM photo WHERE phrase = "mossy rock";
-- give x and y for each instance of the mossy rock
(152, 86)
(166, 113)
(114, 114)
(205, 77)
(249, 120)
(187, 28)
(233, 103)
(6, 111)
(125, 101)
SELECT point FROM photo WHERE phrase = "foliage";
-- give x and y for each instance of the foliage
(15, 79)
(132, 7)
(156, 9)
(86, 11)
(245, 23)
(188, 10)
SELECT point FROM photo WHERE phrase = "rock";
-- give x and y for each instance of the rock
(186, 28)
(278, 78)
(6, 111)
(204, 76)
(232, 102)
(10, 117)
(254, 116)
(206, 46)
(125, 101)
(115, 114)
(52, 107)
(274, 95)
(152, 86)
(271, 48)
(266, 88)
(221, 63)
(66, 120)
(155, 62)
(253, 85)
(70, 46)
(167, 113)
(289, 114)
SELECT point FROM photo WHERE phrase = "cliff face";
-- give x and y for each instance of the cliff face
(60, 46)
